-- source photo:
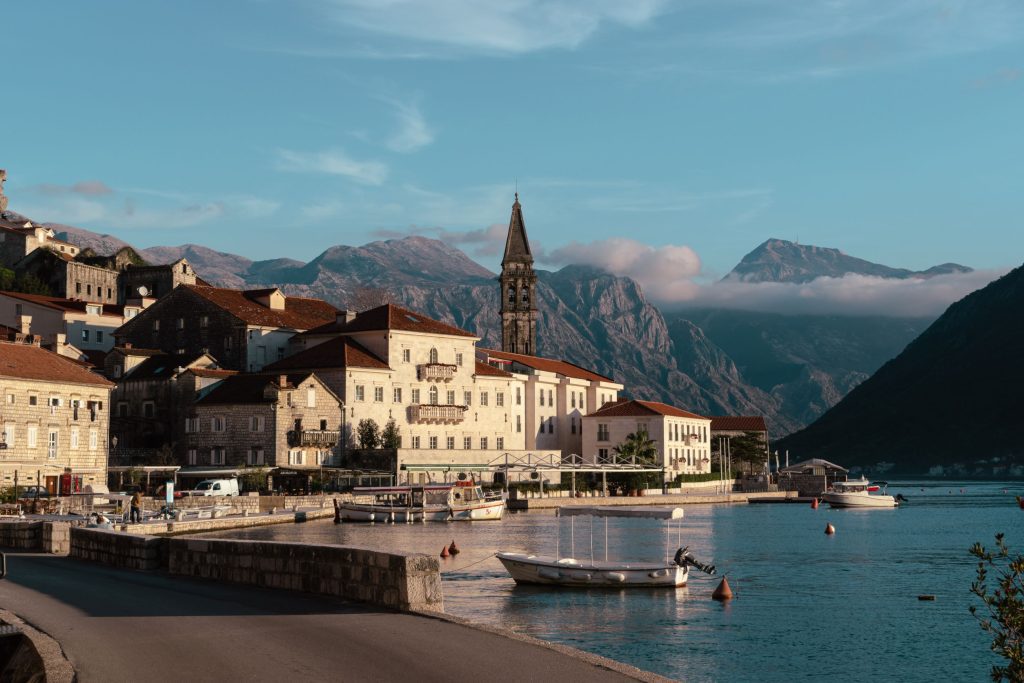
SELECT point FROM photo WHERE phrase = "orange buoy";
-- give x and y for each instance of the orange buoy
(1020, 502)
(723, 592)
(814, 504)
(453, 549)
(829, 529)
(444, 551)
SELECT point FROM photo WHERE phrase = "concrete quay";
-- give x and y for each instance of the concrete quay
(121, 625)
(673, 499)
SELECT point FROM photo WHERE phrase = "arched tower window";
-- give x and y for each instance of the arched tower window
(526, 294)
(433, 396)
(511, 294)
(433, 355)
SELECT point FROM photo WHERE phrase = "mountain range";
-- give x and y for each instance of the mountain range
(790, 369)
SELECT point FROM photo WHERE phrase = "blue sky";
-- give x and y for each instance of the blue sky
(647, 136)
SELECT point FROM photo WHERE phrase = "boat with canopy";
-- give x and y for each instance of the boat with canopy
(859, 493)
(552, 570)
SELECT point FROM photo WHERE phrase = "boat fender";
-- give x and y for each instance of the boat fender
(548, 573)
(829, 530)
(617, 577)
(658, 574)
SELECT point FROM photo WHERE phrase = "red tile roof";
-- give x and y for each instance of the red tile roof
(95, 357)
(299, 313)
(339, 352)
(738, 424)
(60, 304)
(490, 371)
(391, 317)
(210, 372)
(642, 409)
(560, 367)
(26, 361)
(248, 388)
(135, 351)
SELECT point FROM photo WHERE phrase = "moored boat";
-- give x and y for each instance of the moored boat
(467, 501)
(397, 504)
(859, 493)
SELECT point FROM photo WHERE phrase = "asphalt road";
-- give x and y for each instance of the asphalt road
(118, 625)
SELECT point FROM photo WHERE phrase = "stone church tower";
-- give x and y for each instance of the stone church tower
(518, 289)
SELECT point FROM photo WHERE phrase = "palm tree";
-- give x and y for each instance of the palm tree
(637, 448)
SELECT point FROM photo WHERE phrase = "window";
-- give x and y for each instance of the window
(581, 401)
(499, 399)
(31, 434)
(191, 423)
(526, 294)
(450, 442)
(415, 396)
(451, 397)
(551, 425)
(511, 294)
(602, 432)
(110, 293)
(396, 395)
(99, 336)
(572, 398)
(467, 442)
(519, 396)
(192, 456)
(78, 288)
(551, 398)
(181, 323)
(406, 355)
(499, 443)
(467, 398)
(458, 359)
(542, 397)
(93, 439)
(519, 424)
(8, 435)
(433, 355)
(88, 289)
(10, 399)
(217, 424)
(311, 397)
(255, 456)
(93, 310)
(432, 442)
(602, 455)
(156, 325)
(204, 321)
(33, 400)
(433, 396)
(378, 394)
(483, 398)
(483, 443)
(216, 456)
(415, 442)
(85, 335)
(74, 437)
(148, 409)
(360, 396)
(256, 423)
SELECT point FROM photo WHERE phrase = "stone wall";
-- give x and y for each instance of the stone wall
(21, 535)
(56, 538)
(404, 582)
(118, 549)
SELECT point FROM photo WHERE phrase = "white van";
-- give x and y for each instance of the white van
(216, 487)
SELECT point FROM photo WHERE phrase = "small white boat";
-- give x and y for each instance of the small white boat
(397, 504)
(467, 501)
(859, 493)
(572, 572)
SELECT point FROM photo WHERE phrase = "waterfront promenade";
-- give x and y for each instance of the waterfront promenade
(118, 625)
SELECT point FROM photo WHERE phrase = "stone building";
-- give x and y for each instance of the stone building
(19, 238)
(66, 277)
(54, 420)
(86, 326)
(242, 329)
(557, 395)
(518, 289)
(154, 281)
(681, 438)
(290, 421)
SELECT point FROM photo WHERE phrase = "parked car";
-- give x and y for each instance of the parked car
(33, 492)
(216, 487)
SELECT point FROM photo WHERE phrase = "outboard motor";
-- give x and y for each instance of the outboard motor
(684, 559)
(901, 499)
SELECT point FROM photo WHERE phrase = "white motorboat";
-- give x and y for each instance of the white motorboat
(467, 501)
(572, 572)
(859, 493)
(397, 504)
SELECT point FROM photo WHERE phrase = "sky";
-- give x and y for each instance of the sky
(661, 140)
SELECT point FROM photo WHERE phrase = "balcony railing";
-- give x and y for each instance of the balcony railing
(435, 413)
(314, 437)
(437, 371)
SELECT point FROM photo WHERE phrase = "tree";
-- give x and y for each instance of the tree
(368, 434)
(1004, 606)
(391, 437)
(749, 450)
(638, 448)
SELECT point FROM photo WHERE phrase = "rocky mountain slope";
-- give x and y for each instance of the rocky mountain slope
(951, 399)
(782, 261)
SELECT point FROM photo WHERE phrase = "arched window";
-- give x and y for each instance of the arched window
(511, 294)
(433, 355)
(526, 294)
(433, 396)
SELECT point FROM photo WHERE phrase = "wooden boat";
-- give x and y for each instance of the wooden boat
(467, 501)
(575, 573)
(397, 504)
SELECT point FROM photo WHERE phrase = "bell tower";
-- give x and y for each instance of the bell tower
(518, 289)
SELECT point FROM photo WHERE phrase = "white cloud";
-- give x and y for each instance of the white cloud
(333, 162)
(322, 210)
(413, 132)
(515, 26)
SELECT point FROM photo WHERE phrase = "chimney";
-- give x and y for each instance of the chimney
(283, 381)
(127, 345)
(25, 323)
(345, 317)
(61, 339)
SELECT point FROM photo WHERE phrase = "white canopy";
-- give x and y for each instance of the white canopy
(648, 512)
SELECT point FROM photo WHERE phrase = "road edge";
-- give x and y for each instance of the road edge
(56, 667)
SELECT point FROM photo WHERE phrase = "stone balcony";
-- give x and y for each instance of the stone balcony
(441, 372)
(444, 414)
(314, 437)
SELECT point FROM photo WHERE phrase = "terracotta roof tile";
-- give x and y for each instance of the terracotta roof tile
(738, 424)
(160, 366)
(210, 372)
(339, 352)
(248, 388)
(642, 408)
(483, 368)
(561, 367)
(70, 305)
(26, 361)
(391, 317)
(299, 313)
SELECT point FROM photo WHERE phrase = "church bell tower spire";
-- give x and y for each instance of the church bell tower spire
(518, 289)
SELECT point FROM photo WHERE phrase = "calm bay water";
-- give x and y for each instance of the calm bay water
(807, 605)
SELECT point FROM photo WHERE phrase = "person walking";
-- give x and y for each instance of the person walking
(136, 511)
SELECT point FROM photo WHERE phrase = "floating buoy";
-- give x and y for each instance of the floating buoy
(829, 529)
(723, 592)
(444, 551)
(926, 597)
(1020, 502)
(453, 549)
(814, 504)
